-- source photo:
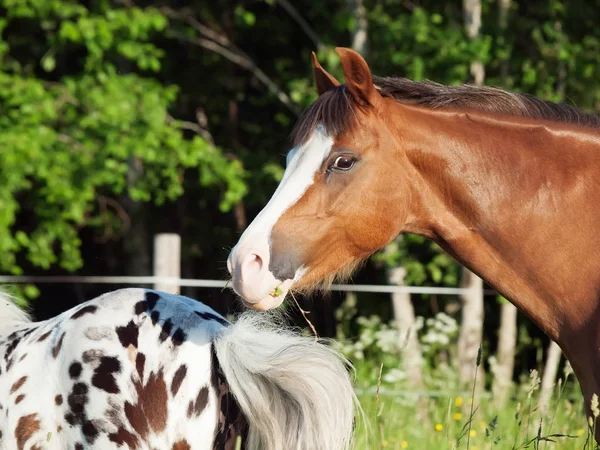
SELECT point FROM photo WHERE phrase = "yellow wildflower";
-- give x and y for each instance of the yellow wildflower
(403, 444)
(473, 433)
(439, 427)
(458, 401)
(580, 432)
(457, 416)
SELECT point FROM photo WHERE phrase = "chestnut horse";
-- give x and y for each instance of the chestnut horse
(507, 184)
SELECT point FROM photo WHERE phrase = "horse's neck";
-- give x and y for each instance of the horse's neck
(515, 203)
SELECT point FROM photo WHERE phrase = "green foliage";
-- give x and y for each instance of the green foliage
(424, 261)
(72, 138)
(423, 43)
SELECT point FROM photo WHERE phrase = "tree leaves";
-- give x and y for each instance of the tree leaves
(97, 131)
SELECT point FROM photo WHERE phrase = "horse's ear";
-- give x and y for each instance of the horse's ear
(323, 79)
(358, 77)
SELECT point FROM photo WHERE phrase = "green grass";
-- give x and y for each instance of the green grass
(403, 420)
(448, 415)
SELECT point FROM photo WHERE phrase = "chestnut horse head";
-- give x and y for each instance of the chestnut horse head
(378, 156)
(506, 183)
(325, 216)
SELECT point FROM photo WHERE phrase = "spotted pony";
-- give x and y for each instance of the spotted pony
(146, 370)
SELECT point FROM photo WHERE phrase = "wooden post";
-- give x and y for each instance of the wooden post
(549, 377)
(505, 355)
(471, 331)
(167, 260)
(408, 341)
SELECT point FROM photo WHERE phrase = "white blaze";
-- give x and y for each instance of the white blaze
(248, 262)
(302, 164)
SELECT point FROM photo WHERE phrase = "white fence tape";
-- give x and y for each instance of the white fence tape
(189, 282)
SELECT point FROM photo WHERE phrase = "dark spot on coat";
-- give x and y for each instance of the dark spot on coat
(28, 332)
(79, 446)
(58, 346)
(75, 370)
(181, 445)
(137, 418)
(179, 336)
(58, 400)
(151, 408)
(139, 308)
(155, 316)
(201, 401)
(44, 336)
(11, 348)
(140, 362)
(166, 330)
(122, 436)
(19, 399)
(128, 335)
(90, 431)
(92, 355)
(104, 375)
(18, 384)
(26, 427)
(196, 407)
(178, 379)
(210, 316)
(89, 309)
(77, 400)
(151, 300)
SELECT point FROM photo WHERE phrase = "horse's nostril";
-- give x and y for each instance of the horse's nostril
(253, 265)
(258, 261)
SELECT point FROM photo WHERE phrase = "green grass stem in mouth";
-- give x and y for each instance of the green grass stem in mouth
(276, 292)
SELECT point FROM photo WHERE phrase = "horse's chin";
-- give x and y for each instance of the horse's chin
(271, 301)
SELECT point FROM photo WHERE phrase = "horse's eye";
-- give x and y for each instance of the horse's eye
(343, 163)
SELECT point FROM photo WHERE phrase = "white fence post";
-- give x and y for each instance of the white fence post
(548, 378)
(408, 341)
(471, 330)
(167, 260)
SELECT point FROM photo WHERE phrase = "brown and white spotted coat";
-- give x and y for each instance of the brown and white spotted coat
(132, 369)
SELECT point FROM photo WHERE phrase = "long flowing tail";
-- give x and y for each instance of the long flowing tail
(10, 314)
(296, 393)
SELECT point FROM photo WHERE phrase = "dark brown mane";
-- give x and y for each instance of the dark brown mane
(335, 109)
(481, 98)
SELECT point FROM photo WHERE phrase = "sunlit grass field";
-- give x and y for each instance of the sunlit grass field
(445, 414)
(405, 421)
